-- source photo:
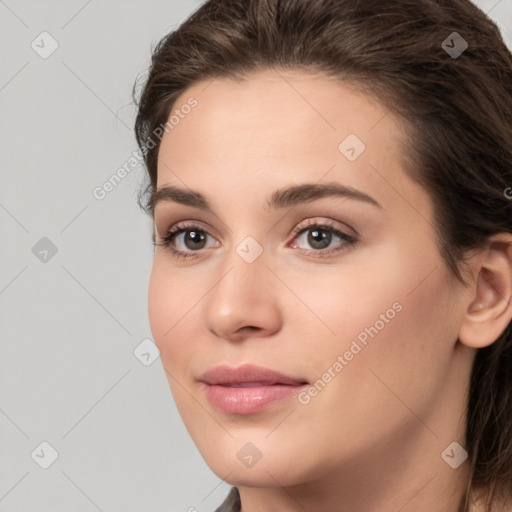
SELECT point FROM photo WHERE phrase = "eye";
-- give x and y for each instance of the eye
(194, 239)
(321, 235)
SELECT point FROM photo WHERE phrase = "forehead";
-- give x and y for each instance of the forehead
(277, 127)
(281, 106)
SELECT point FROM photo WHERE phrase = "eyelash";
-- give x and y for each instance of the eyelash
(171, 234)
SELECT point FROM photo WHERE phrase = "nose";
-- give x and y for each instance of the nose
(243, 303)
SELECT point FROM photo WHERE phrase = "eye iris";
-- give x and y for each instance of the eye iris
(315, 238)
(194, 237)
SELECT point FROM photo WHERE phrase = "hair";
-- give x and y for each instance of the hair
(457, 114)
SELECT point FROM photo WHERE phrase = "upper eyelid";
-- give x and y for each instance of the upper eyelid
(310, 222)
(305, 211)
(183, 224)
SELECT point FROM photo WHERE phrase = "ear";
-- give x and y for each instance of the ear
(490, 309)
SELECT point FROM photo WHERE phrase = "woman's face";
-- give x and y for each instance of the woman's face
(369, 318)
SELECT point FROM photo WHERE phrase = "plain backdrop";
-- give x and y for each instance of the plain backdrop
(81, 390)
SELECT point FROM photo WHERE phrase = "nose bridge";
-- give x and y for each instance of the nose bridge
(242, 294)
(244, 273)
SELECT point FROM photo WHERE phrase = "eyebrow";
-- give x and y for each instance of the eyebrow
(282, 198)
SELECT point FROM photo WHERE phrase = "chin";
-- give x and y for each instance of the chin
(273, 469)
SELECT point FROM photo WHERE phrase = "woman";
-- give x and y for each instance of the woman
(330, 184)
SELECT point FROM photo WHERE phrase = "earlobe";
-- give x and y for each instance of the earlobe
(490, 308)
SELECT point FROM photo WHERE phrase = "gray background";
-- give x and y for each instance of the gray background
(72, 320)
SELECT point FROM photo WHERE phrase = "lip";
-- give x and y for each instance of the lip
(247, 389)
(248, 373)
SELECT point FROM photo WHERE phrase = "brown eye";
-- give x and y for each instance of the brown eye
(193, 240)
(320, 236)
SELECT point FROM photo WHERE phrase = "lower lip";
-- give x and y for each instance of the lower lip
(248, 400)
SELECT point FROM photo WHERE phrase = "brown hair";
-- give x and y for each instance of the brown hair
(457, 110)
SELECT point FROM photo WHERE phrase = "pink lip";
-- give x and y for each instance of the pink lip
(248, 388)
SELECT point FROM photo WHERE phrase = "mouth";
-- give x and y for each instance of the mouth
(256, 384)
(248, 375)
(248, 389)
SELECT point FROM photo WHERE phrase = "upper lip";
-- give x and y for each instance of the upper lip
(225, 375)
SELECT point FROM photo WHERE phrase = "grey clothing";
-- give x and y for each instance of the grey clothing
(231, 503)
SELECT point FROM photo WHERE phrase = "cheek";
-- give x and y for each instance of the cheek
(392, 313)
(171, 317)
(361, 301)
(404, 325)
(160, 306)
(404, 360)
(170, 310)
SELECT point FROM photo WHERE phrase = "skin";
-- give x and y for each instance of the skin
(372, 438)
